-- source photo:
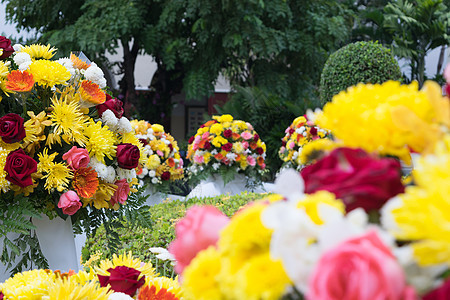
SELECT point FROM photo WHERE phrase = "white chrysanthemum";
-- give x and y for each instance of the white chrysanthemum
(143, 173)
(109, 118)
(162, 253)
(94, 74)
(68, 64)
(150, 131)
(124, 126)
(231, 156)
(17, 48)
(102, 170)
(102, 83)
(152, 173)
(126, 174)
(21, 58)
(216, 166)
(155, 180)
(111, 177)
(24, 66)
(119, 296)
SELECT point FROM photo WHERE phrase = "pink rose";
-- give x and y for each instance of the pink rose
(245, 145)
(251, 161)
(361, 268)
(198, 230)
(69, 202)
(205, 135)
(199, 159)
(77, 158)
(121, 194)
(246, 135)
(440, 293)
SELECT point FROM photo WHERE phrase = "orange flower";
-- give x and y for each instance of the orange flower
(260, 160)
(85, 182)
(236, 136)
(78, 63)
(171, 162)
(150, 293)
(90, 92)
(18, 81)
(139, 170)
(218, 156)
(210, 122)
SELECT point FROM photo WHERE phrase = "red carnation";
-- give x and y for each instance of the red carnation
(207, 145)
(170, 147)
(143, 141)
(191, 139)
(313, 130)
(227, 133)
(355, 177)
(259, 151)
(227, 147)
(291, 130)
(256, 137)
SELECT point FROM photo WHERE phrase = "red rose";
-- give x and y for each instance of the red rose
(291, 130)
(11, 128)
(256, 137)
(191, 139)
(313, 130)
(122, 280)
(283, 143)
(170, 147)
(259, 151)
(127, 156)
(5, 44)
(113, 104)
(19, 167)
(227, 133)
(227, 147)
(355, 177)
(1, 296)
(165, 176)
(440, 293)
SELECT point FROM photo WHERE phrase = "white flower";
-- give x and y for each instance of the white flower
(119, 296)
(24, 66)
(387, 219)
(312, 115)
(162, 253)
(214, 152)
(68, 64)
(150, 131)
(109, 119)
(216, 166)
(102, 170)
(21, 58)
(102, 83)
(94, 74)
(155, 180)
(144, 173)
(111, 177)
(126, 174)
(17, 48)
(231, 156)
(290, 184)
(152, 173)
(124, 125)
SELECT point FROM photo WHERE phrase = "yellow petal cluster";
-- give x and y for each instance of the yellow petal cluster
(37, 51)
(101, 142)
(49, 73)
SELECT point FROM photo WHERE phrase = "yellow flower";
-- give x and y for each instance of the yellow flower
(68, 121)
(30, 285)
(312, 201)
(71, 290)
(131, 138)
(299, 120)
(200, 277)
(216, 129)
(225, 118)
(4, 71)
(218, 141)
(238, 148)
(49, 73)
(102, 195)
(423, 216)
(128, 261)
(157, 128)
(35, 131)
(4, 184)
(202, 130)
(100, 141)
(140, 126)
(386, 118)
(39, 51)
(58, 177)
(157, 285)
(45, 161)
(153, 162)
(261, 278)
(314, 150)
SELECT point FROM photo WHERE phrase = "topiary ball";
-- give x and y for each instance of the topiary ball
(366, 62)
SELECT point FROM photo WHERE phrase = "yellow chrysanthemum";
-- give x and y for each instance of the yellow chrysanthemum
(245, 236)
(4, 71)
(225, 118)
(68, 121)
(126, 260)
(312, 201)
(58, 177)
(30, 285)
(83, 277)
(261, 278)
(387, 118)
(4, 184)
(218, 141)
(153, 162)
(37, 51)
(72, 290)
(101, 141)
(216, 129)
(200, 280)
(49, 73)
(424, 214)
(46, 161)
(140, 126)
(157, 128)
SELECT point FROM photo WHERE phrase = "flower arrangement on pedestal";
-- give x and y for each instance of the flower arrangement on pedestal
(298, 134)
(162, 164)
(225, 146)
(65, 148)
(122, 278)
(347, 228)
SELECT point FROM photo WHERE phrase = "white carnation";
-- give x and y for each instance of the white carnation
(21, 58)
(109, 119)
(216, 166)
(124, 125)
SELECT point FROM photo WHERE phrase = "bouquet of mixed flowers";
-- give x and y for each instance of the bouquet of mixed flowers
(345, 227)
(162, 163)
(298, 134)
(225, 146)
(65, 148)
(121, 278)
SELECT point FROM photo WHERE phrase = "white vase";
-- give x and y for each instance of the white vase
(57, 243)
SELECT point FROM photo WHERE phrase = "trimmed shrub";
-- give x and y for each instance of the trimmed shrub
(361, 62)
(163, 218)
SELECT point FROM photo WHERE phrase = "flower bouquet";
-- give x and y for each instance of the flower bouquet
(65, 148)
(298, 134)
(162, 164)
(121, 278)
(223, 148)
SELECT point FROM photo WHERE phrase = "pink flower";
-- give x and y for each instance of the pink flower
(198, 230)
(291, 145)
(246, 135)
(251, 160)
(160, 153)
(77, 158)
(69, 202)
(121, 194)
(245, 145)
(361, 268)
(249, 126)
(197, 139)
(447, 73)
(205, 135)
(199, 159)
